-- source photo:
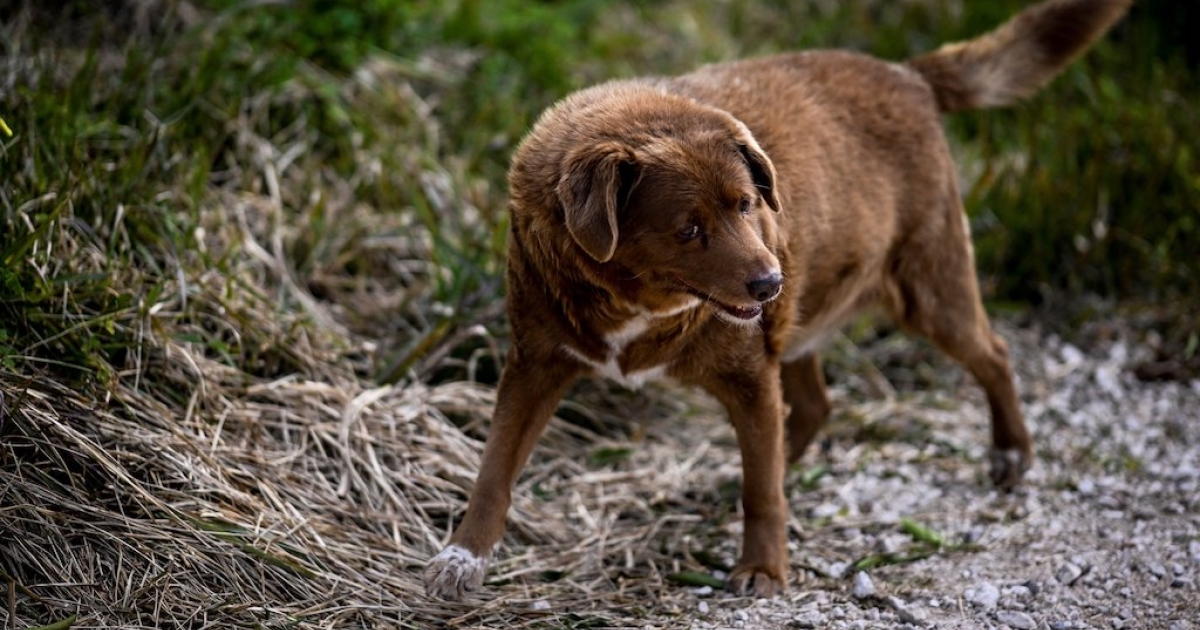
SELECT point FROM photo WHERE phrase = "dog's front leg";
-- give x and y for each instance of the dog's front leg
(530, 390)
(755, 405)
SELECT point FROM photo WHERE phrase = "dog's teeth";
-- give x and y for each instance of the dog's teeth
(745, 312)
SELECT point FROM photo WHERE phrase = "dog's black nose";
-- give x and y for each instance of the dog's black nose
(766, 287)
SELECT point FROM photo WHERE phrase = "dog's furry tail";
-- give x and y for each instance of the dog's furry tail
(1018, 58)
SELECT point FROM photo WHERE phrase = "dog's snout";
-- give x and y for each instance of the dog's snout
(766, 287)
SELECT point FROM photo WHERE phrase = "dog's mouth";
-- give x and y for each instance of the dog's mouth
(743, 313)
(740, 312)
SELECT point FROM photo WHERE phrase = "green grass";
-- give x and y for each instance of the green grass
(132, 149)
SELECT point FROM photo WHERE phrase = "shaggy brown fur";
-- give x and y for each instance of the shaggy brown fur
(717, 227)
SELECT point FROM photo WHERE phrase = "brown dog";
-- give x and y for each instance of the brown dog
(718, 227)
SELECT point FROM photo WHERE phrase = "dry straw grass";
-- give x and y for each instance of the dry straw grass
(314, 503)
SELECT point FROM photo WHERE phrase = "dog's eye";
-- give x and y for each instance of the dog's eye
(746, 205)
(689, 233)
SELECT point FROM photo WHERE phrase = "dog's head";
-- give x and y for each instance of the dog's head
(686, 210)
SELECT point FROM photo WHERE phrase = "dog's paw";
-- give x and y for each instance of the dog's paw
(757, 581)
(1008, 466)
(453, 572)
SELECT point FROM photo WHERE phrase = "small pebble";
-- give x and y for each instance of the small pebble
(808, 619)
(1019, 591)
(1068, 574)
(1016, 620)
(702, 607)
(985, 595)
(863, 586)
(906, 613)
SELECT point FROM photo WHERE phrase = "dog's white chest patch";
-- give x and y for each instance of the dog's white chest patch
(620, 338)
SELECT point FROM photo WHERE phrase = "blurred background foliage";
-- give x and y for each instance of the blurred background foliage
(1093, 187)
(128, 115)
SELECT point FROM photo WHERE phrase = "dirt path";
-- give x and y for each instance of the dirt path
(1105, 533)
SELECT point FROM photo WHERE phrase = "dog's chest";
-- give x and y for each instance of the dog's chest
(635, 352)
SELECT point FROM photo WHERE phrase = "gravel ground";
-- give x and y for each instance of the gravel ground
(1105, 533)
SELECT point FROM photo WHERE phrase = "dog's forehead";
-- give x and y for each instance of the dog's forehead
(709, 168)
(687, 139)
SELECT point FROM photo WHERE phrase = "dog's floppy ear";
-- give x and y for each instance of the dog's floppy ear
(595, 183)
(761, 169)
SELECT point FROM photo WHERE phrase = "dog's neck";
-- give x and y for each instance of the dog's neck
(622, 316)
(610, 318)
(622, 307)
(613, 362)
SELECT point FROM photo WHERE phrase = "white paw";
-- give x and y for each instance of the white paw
(453, 572)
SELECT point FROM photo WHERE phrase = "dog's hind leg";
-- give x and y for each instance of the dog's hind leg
(937, 296)
(985, 355)
(528, 394)
(804, 392)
